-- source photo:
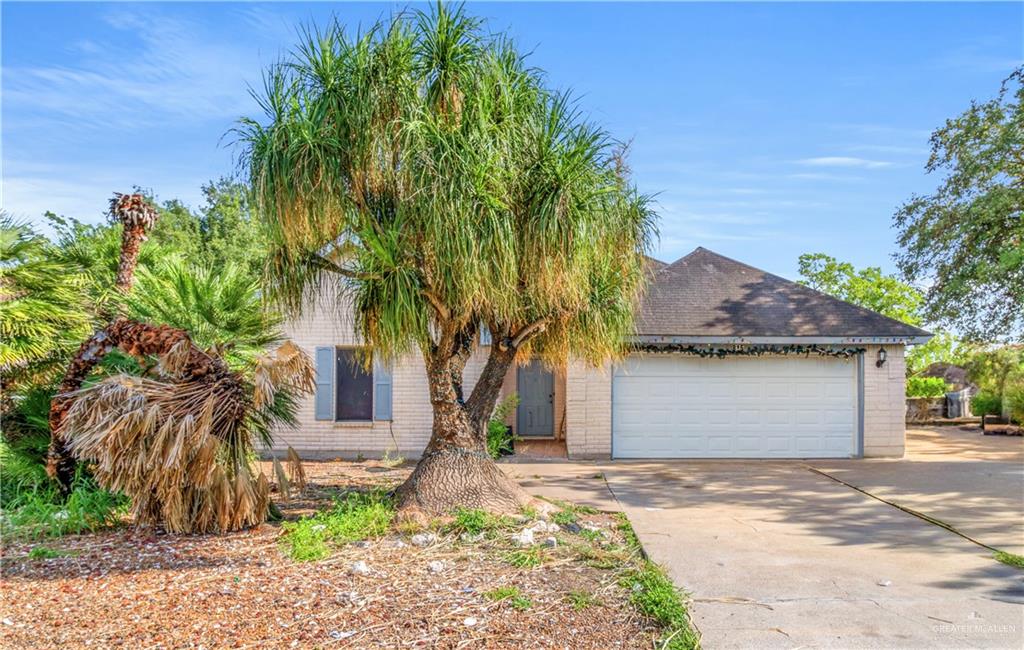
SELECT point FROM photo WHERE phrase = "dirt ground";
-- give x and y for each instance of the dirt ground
(142, 589)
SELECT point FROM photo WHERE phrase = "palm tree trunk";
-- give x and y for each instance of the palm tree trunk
(132, 237)
(134, 338)
(455, 470)
(60, 464)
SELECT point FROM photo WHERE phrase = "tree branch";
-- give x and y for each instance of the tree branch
(527, 332)
(442, 312)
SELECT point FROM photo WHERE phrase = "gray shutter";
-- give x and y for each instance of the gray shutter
(381, 389)
(485, 335)
(324, 409)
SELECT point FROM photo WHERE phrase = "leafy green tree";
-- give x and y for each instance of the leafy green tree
(423, 171)
(967, 239)
(41, 305)
(867, 287)
(888, 295)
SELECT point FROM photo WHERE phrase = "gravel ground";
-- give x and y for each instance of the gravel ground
(140, 589)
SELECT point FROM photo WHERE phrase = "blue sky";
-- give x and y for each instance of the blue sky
(767, 130)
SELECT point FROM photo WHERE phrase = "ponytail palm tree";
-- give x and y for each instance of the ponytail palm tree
(425, 172)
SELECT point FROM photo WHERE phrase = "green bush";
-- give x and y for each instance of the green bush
(357, 516)
(926, 387)
(498, 439)
(985, 403)
(1014, 397)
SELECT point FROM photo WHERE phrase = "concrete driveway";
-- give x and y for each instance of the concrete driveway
(777, 555)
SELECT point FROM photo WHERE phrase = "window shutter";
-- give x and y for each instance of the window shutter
(381, 390)
(485, 335)
(324, 409)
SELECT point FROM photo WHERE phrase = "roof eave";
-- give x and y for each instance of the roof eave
(648, 339)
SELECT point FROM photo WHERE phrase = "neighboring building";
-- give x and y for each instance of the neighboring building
(731, 362)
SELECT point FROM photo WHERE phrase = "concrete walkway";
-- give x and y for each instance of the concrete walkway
(776, 555)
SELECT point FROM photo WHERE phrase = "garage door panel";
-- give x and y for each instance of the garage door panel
(738, 407)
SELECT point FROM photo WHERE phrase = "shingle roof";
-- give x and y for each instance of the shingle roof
(706, 294)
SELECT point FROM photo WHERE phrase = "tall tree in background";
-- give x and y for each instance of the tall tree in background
(966, 241)
(867, 287)
(423, 171)
(871, 288)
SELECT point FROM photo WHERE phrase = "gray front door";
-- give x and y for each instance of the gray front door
(535, 414)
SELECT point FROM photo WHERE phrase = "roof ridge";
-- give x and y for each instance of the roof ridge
(807, 290)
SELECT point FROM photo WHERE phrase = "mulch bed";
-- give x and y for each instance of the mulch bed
(141, 589)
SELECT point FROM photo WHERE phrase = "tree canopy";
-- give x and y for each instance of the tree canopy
(888, 295)
(427, 164)
(868, 287)
(966, 240)
(426, 173)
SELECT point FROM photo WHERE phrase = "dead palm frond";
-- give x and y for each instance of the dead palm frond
(283, 486)
(180, 445)
(296, 469)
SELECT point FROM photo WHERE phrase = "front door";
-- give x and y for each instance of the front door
(536, 412)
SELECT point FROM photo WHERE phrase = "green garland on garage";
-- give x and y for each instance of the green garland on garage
(722, 351)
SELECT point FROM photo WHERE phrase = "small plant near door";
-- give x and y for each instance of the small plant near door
(499, 434)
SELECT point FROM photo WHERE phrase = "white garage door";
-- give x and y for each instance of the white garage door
(679, 406)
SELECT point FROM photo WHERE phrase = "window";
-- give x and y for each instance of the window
(353, 386)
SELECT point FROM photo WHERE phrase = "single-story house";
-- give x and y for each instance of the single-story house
(729, 362)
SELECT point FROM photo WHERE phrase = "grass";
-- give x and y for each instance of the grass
(654, 596)
(358, 516)
(565, 517)
(1011, 559)
(510, 594)
(525, 558)
(43, 553)
(475, 522)
(580, 600)
(592, 536)
(32, 507)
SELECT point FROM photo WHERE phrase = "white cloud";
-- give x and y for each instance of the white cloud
(825, 176)
(177, 73)
(844, 161)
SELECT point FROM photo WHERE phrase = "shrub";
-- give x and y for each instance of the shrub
(1014, 397)
(31, 506)
(498, 439)
(357, 516)
(985, 403)
(926, 387)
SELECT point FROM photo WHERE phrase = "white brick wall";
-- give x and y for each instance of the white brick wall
(408, 432)
(588, 407)
(884, 402)
(583, 402)
(588, 410)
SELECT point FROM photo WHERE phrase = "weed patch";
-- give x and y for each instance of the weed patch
(475, 522)
(565, 517)
(580, 600)
(653, 594)
(43, 553)
(37, 513)
(1011, 559)
(525, 558)
(357, 516)
(512, 595)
